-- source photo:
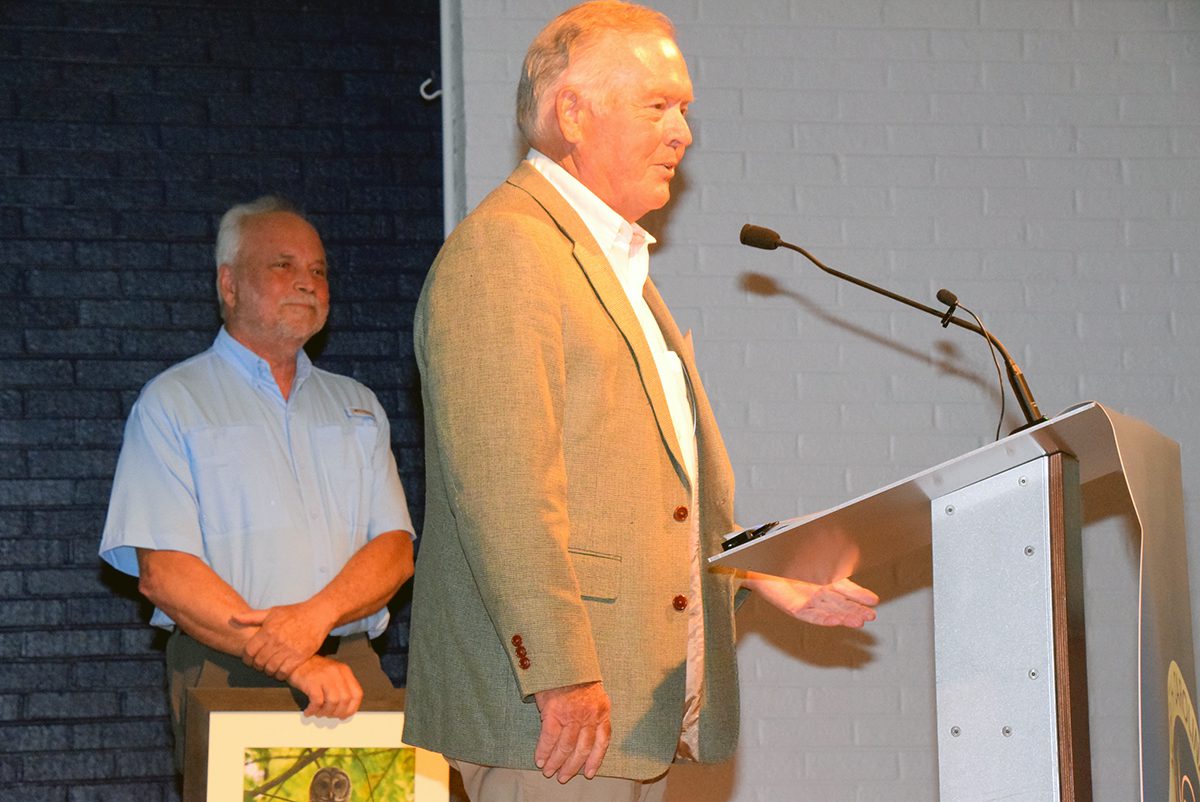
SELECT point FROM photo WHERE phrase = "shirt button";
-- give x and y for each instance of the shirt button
(681, 513)
(680, 602)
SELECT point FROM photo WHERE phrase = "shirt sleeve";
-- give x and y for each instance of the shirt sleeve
(153, 503)
(389, 506)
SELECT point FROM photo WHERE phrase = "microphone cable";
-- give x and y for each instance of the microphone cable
(995, 361)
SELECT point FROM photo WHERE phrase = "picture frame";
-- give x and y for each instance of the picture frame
(226, 727)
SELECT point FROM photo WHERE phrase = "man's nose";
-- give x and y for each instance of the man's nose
(679, 133)
(305, 281)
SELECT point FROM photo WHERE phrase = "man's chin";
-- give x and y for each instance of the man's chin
(301, 331)
(658, 204)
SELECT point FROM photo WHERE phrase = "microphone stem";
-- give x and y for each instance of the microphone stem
(1016, 379)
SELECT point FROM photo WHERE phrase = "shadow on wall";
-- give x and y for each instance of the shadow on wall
(765, 286)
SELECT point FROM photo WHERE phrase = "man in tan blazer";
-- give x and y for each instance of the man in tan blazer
(563, 619)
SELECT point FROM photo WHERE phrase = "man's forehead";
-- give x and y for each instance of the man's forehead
(283, 241)
(676, 88)
(280, 224)
(294, 253)
(652, 60)
(642, 46)
(650, 46)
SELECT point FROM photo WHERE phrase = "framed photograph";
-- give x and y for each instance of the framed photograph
(255, 744)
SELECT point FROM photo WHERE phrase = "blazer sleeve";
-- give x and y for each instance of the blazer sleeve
(490, 347)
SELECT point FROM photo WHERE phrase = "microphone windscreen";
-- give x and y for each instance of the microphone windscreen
(759, 237)
(945, 296)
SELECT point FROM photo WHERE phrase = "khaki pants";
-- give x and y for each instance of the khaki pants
(191, 664)
(491, 784)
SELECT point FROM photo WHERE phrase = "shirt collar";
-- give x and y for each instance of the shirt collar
(613, 233)
(254, 367)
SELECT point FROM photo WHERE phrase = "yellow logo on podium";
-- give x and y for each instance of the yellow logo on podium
(1184, 737)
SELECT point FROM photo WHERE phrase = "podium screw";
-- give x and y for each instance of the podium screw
(1029, 551)
(1033, 673)
(1007, 731)
(955, 731)
(949, 509)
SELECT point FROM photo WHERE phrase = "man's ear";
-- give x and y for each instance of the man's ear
(225, 285)
(570, 111)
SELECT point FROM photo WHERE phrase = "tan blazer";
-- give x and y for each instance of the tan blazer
(557, 511)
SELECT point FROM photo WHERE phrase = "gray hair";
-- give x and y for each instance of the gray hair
(229, 234)
(567, 35)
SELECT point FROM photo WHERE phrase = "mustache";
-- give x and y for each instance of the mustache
(300, 301)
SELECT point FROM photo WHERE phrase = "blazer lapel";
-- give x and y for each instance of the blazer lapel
(612, 297)
(712, 458)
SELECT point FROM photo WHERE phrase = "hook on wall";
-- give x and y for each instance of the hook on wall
(426, 94)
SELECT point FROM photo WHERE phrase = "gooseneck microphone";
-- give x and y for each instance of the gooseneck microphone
(768, 240)
(951, 301)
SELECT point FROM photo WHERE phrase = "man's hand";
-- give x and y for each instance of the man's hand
(287, 636)
(331, 687)
(575, 730)
(840, 604)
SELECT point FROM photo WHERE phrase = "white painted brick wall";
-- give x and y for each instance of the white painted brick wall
(1039, 157)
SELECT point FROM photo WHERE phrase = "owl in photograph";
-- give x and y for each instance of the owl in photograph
(329, 785)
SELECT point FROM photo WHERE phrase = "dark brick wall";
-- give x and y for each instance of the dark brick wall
(126, 128)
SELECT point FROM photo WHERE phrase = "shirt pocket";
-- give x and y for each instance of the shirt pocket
(598, 574)
(233, 470)
(345, 452)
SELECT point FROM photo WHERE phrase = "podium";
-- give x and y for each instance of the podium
(1004, 526)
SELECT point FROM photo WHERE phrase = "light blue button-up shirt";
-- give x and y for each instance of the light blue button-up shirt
(275, 495)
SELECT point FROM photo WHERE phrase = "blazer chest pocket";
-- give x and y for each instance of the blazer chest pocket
(599, 574)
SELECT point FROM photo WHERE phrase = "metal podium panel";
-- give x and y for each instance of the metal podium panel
(994, 639)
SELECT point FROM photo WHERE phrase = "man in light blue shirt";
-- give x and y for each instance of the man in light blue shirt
(256, 496)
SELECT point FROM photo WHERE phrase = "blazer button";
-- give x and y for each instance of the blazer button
(521, 653)
(516, 640)
(681, 513)
(524, 663)
(680, 602)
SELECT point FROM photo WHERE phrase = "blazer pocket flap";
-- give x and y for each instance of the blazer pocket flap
(599, 574)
